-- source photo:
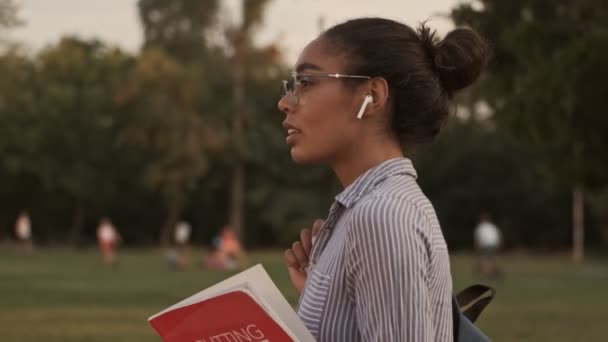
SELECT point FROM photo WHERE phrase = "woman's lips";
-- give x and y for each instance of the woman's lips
(292, 135)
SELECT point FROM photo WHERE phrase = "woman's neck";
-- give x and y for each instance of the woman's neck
(356, 162)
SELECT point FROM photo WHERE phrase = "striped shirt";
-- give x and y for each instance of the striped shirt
(379, 268)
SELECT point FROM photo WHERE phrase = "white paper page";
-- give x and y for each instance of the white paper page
(259, 282)
(224, 285)
(272, 296)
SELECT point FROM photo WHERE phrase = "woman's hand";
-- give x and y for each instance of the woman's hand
(297, 257)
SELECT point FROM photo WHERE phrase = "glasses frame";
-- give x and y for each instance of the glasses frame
(286, 89)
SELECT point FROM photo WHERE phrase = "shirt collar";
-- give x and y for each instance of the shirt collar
(374, 176)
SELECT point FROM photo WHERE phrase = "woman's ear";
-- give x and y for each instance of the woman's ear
(379, 92)
(375, 99)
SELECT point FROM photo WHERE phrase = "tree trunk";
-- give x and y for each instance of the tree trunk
(77, 225)
(238, 190)
(578, 206)
(174, 210)
(578, 228)
(238, 182)
(238, 172)
(598, 201)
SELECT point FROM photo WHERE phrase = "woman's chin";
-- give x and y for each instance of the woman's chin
(300, 156)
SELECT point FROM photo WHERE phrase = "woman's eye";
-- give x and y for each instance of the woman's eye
(304, 81)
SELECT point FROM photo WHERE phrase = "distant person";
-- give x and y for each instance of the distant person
(182, 233)
(228, 253)
(487, 242)
(108, 239)
(23, 231)
(231, 247)
(178, 257)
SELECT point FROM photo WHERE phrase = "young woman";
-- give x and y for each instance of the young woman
(361, 95)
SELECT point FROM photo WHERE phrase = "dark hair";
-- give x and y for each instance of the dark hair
(423, 72)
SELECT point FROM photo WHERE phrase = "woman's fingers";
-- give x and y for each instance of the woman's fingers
(316, 229)
(300, 254)
(306, 240)
(291, 259)
(298, 279)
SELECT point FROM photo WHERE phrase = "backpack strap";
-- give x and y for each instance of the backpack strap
(456, 318)
(475, 298)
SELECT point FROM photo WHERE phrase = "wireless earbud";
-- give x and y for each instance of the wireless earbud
(368, 99)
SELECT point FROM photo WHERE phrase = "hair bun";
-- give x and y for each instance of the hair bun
(459, 58)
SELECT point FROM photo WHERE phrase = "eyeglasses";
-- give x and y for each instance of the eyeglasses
(299, 80)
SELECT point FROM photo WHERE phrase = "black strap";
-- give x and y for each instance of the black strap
(476, 297)
(455, 318)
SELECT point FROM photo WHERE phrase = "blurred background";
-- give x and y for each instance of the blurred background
(156, 112)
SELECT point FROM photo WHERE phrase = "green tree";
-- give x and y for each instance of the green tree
(180, 27)
(18, 135)
(77, 155)
(59, 115)
(472, 168)
(546, 87)
(222, 53)
(8, 14)
(8, 18)
(240, 38)
(163, 125)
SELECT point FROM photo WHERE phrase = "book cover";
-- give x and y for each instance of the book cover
(246, 307)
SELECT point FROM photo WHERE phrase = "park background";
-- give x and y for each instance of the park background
(178, 121)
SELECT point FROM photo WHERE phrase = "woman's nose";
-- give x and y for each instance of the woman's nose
(284, 104)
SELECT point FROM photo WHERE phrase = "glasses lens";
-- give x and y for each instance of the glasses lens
(287, 88)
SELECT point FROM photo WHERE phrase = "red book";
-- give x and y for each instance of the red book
(246, 307)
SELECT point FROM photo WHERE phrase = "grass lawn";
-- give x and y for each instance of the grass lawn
(65, 296)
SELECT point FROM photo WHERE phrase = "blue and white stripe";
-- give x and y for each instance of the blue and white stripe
(380, 269)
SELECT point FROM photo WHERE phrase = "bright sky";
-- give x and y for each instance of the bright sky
(292, 23)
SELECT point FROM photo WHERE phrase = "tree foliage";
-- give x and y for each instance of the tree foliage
(8, 14)
(546, 85)
(148, 139)
(546, 82)
(179, 27)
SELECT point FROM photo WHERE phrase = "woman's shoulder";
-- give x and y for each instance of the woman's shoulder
(389, 212)
(397, 194)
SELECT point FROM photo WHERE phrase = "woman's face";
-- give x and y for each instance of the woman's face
(321, 124)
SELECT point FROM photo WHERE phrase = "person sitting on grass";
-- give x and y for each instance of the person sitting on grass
(229, 254)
